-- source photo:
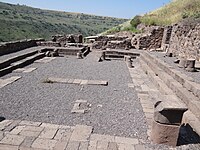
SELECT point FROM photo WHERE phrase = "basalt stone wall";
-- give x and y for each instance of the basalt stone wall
(185, 39)
(10, 47)
(64, 39)
(49, 44)
(166, 37)
(150, 40)
(112, 42)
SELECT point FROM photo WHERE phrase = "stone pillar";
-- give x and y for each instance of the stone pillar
(129, 61)
(79, 55)
(182, 63)
(103, 55)
(166, 123)
(190, 65)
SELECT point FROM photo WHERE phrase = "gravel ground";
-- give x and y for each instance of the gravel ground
(4, 57)
(121, 113)
(170, 61)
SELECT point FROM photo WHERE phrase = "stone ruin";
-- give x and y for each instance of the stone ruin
(118, 41)
(62, 40)
(150, 40)
(181, 39)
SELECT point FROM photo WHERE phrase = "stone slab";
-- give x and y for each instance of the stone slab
(48, 125)
(81, 133)
(1, 135)
(124, 140)
(12, 125)
(14, 140)
(48, 133)
(25, 70)
(112, 146)
(29, 123)
(99, 137)
(73, 145)
(83, 145)
(126, 147)
(45, 60)
(5, 123)
(8, 81)
(8, 147)
(102, 145)
(17, 129)
(28, 141)
(46, 144)
(63, 134)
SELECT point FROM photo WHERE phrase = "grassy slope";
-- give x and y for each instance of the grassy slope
(173, 12)
(19, 22)
(166, 15)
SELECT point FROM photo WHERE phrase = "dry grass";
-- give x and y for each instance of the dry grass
(173, 12)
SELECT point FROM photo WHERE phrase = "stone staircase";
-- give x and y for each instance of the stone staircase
(19, 60)
(119, 54)
(173, 85)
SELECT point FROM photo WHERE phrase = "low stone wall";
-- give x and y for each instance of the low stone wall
(150, 40)
(10, 47)
(49, 44)
(112, 42)
(182, 39)
(185, 39)
(64, 39)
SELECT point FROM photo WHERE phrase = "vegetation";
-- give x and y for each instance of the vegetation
(122, 27)
(173, 12)
(169, 14)
(20, 22)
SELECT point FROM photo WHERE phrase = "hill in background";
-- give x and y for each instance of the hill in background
(174, 12)
(20, 22)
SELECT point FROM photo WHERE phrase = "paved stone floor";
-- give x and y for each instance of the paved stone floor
(71, 133)
(24, 135)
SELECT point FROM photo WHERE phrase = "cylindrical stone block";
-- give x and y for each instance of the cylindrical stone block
(47, 54)
(79, 55)
(190, 65)
(182, 63)
(129, 63)
(103, 55)
(126, 57)
(164, 134)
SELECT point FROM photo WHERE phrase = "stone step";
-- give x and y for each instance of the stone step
(6, 70)
(183, 79)
(186, 96)
(160, 77)
(28, 60)
(7, 62)
(20, 64)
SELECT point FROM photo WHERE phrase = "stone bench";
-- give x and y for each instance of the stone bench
(169, 80)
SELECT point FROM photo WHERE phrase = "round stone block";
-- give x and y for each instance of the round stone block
(164, 134)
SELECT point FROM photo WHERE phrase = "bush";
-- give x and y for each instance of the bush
(132, 29)
(135, 21)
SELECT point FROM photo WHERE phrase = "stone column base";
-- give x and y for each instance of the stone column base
(164, 134)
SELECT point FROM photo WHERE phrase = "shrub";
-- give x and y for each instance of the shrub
(135, 21)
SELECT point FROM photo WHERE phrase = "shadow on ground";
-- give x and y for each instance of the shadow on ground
(187, 136)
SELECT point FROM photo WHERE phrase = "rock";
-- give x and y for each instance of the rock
(190, 65)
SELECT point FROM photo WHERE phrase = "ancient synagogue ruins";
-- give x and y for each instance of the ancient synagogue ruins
(116, 92)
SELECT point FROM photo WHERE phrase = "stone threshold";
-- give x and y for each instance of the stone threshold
(4, 82)
(75, 81)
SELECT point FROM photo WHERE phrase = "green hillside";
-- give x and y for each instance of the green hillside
(20, 22)
(171, 13)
